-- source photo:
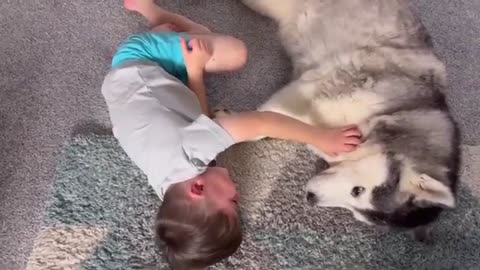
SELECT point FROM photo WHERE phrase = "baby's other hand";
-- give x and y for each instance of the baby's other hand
(196, 54)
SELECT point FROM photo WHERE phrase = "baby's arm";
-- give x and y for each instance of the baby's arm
(195, 59)
(247, 126)
(197, 85)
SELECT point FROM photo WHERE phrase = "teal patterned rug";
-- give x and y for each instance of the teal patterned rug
(102, 211)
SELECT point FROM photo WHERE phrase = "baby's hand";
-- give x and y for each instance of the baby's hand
(334, 141)
(196, 57)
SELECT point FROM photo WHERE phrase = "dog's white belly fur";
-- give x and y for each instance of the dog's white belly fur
(302, 104)
(345, 110)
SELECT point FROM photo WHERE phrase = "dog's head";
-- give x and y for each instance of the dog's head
(406, 184)
(382, 191)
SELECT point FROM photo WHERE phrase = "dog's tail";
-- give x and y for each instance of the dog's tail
(278, 10)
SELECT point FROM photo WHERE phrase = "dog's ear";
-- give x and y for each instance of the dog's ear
(430, 191)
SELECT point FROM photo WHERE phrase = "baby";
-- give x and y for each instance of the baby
(157, 103)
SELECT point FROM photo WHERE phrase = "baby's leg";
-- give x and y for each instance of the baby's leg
(166, 27)
(228, 53)
(159, 16)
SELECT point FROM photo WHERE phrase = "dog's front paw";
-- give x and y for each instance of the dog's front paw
(219, 112)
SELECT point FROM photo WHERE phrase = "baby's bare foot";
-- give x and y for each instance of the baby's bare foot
(137, 5)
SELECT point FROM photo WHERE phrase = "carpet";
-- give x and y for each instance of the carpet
(102, 209)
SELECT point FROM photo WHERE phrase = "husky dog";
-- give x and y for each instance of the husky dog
(370, 63)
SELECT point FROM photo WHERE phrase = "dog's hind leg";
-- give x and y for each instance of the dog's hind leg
(278, 10)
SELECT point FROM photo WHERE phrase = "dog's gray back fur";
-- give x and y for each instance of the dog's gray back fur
(348, 48)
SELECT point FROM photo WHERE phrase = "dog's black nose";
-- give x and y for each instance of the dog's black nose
(312, 198)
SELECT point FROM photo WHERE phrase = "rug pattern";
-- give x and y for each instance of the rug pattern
(102, 210)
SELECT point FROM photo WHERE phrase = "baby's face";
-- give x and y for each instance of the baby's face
(217, 189)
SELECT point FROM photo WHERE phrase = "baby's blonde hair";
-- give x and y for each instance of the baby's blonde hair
(194, 236)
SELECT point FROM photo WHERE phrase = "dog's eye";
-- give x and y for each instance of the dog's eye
(357, 191)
